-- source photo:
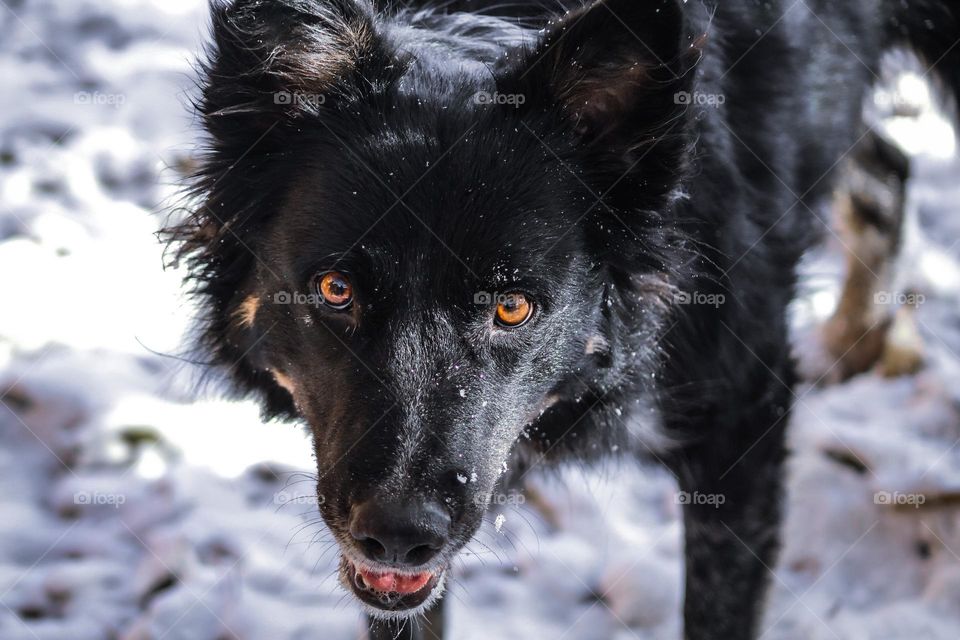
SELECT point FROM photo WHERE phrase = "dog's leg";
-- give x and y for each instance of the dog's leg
(429, 627)
(731, 509)
(871, 197)
(432, 626)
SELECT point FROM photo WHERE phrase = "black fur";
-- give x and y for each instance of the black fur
(602, 193)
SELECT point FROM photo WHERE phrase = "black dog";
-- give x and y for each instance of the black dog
(454, 243)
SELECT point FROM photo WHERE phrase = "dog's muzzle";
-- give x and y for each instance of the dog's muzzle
(394, 568)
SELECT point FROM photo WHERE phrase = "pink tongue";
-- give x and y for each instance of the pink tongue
(395, 583)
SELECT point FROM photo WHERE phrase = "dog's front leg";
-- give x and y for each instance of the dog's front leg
(731, 496)
(428, 627)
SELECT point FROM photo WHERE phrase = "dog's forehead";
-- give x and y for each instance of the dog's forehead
(474, 199)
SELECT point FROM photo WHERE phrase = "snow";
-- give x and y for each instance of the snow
(134, 509)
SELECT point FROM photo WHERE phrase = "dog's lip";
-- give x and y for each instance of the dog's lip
(390, 589)
(392, 582)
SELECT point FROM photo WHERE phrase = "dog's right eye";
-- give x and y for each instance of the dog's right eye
(335, 289)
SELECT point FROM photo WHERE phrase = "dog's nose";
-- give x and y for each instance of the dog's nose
(408, 533)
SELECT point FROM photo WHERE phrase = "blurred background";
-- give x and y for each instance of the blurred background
(134, 507)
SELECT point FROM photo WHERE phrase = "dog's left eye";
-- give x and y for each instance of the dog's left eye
(335, 289)
(514, 310)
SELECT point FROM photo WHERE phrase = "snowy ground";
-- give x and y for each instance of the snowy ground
(122, 517)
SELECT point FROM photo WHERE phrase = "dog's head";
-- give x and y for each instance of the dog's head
(414, 249)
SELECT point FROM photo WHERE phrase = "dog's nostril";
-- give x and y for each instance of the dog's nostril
(420, 554)
(403, 534)
(373, 549)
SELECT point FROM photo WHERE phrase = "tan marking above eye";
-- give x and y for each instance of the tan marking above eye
(513, 310)
(335, 288)
(284, 381)
(246, 313)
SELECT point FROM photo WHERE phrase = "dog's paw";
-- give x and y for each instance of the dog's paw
(903, 352)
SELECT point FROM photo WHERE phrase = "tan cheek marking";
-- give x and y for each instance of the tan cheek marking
(596, 344)
(284, 381)
(547, 402)
(246, 313)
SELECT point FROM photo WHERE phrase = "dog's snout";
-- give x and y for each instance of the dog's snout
(409, 533)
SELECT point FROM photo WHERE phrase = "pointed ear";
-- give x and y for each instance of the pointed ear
(272, 63)
(613, 67)
(286, 57)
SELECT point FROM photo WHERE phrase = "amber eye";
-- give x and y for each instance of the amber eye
(513, 310)
(335, 289)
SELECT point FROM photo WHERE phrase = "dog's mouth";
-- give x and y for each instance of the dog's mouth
(388, 590)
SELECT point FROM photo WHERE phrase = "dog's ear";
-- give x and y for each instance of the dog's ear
(275, 59)
(615, 67)
(271, 64)
(616, 75)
